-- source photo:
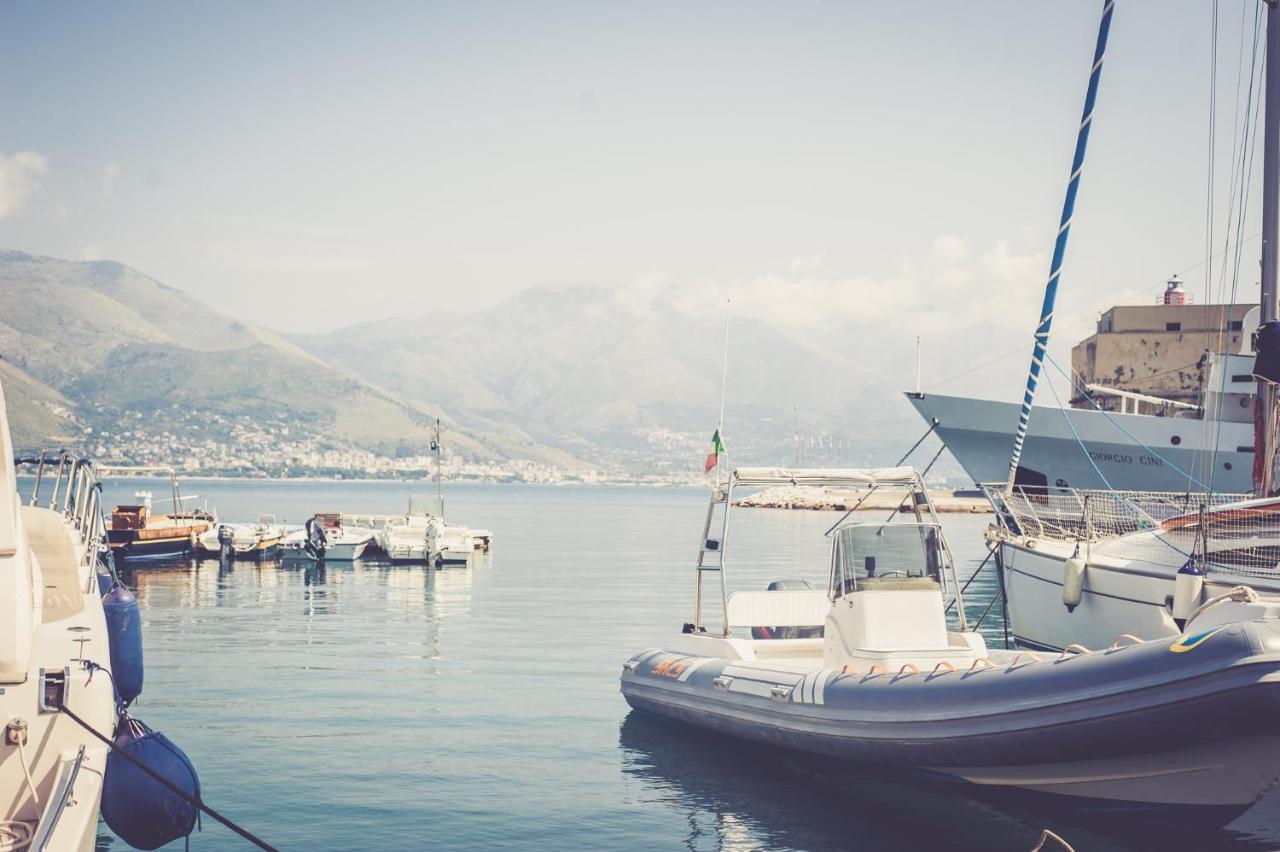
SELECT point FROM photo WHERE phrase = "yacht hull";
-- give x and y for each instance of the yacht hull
(1144, 728)
(979, 433)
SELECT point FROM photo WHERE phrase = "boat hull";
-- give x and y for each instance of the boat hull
(979, 433)
(133, 549)
(345, 551)
(1141, 729)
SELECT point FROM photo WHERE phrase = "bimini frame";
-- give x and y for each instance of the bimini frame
(712, 552)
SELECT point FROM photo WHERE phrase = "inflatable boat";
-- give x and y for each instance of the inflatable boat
(869, 673)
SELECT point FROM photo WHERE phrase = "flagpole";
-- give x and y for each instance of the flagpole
(724, 381)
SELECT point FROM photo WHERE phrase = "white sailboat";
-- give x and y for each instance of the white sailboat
(1079, 565)
(51, 620)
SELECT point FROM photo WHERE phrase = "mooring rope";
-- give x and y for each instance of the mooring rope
(169, 785)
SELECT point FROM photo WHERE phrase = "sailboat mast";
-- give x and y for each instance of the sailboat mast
(1060, 247)
(1266, 438)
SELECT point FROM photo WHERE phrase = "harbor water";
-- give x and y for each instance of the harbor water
(370, 705)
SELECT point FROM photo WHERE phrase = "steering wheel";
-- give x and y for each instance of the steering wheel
(893, 574)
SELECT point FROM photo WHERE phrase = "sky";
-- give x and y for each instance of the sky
(311, 165)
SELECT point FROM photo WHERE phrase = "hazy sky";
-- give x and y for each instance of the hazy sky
(308, 165)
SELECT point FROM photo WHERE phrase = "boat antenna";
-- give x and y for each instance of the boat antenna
(724, 384)
(1265, 450)
(435, 448)
(1060, 247)
(917, 364)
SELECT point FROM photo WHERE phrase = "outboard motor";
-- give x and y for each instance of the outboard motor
(316, 541)
(226, 538)
(124, 637)
(143, 812)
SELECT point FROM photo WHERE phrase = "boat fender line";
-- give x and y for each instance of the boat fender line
(941, 665)
(1072, 650)
(1073, 580)
(1123, 637)
(1046, 835)
(1032, 657)
(986, 664)
(1239, 594)
(849, 669)
(902, 672)
(165, 782)
(875, 670)
(15, 835)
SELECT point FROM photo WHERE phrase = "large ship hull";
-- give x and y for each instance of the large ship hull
(979, 433)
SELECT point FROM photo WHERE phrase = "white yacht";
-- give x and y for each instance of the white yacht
(1146, 443)
(51, 622)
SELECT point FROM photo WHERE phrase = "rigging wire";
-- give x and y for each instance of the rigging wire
(1243, 169)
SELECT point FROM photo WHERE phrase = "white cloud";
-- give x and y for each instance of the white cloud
(110, 175)
(19, 177)
(948, 286)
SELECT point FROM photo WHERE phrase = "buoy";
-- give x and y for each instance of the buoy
(1073, 580)
(142, 811)
(1188, 587)
(124, 639)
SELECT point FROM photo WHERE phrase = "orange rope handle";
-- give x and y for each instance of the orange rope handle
(906, 666)
(1073, 648)
(944, 663)
(875, 670)
(986, 664)
(1034, 658)
(849, 669)
(1116, 646)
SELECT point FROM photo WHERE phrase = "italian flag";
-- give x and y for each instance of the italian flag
(713, 457)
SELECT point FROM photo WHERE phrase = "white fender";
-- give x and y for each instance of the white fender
(1073, 581)
(1188, 587)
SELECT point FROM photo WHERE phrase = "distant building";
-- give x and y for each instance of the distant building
(1156, 350)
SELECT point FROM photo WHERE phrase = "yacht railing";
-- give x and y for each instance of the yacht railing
(75, 492)
(1231, 534)
(1070, 514)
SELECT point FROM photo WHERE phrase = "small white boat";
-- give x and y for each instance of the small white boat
(449, 545)
(405, 539)
(259, 540)
(343, 542)
(481, 539)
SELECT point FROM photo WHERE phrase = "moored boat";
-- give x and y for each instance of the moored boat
(51, 610)
(342, 542)
(259, 540)
(1185, 726)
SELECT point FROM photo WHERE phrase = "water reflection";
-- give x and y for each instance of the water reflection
(733, 795)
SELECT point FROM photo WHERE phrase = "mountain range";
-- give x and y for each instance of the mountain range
(568, 376)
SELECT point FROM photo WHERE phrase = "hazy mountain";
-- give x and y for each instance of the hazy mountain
(583, 366)
(92, 347)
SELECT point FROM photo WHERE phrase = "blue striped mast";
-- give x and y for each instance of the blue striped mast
(1060, 247)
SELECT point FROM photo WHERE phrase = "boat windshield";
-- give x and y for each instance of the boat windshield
(887, 556)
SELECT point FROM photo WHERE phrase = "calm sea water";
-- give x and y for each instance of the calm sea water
(373, 706)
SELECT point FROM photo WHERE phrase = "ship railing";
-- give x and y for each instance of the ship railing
(68, 484)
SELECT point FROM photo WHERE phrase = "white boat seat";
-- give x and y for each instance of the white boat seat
(48, 539)
(797, 608)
